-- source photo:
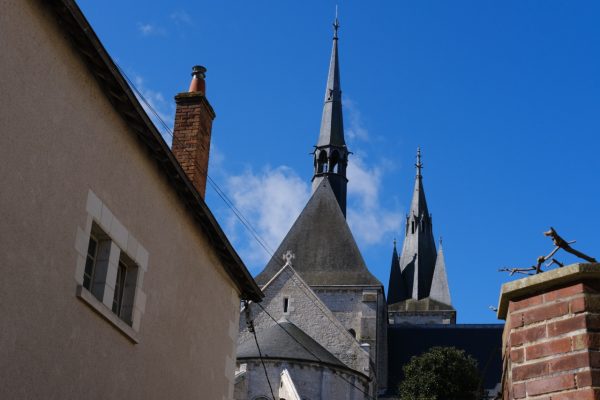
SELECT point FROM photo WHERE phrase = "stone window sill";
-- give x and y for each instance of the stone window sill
(89, 299)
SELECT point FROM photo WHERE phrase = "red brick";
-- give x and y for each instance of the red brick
(515, 320)
(545, 312)
(549, 385)
(586, 341)
(577, 305)
(529, 371)
(528, 302)
(519, 390)
(517, 355)
(568, 362)
(548, 348)
(594, 359)
(588, 378)
(585, 394)
(565, 292)
(527, 335)
(567, 325)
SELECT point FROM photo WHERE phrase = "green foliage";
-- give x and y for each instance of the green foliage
(442, 373)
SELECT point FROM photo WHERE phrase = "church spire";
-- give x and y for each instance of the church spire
(418, 257)
(331, 153)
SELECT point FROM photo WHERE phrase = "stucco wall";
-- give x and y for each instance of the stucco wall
(60, 138)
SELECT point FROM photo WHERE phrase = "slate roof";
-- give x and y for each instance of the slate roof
(332, 122)
(326, 252)
(291, 344)
(483, 342)
(396, 287)
(439, 285)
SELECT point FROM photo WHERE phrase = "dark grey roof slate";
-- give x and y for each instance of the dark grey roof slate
(292, 344)
(396, 287)
(326, 252)
(332, 122)
(483, 342)
(440, 290)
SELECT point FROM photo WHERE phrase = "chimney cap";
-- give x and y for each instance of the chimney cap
(197, 84)
(199, 71)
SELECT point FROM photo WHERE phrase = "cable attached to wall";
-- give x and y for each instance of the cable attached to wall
(246, 223)
(310, 352)
(250, 325)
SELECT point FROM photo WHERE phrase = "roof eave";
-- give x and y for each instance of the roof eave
(87, 44)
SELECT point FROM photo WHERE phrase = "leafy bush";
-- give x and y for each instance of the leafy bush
(442, 373)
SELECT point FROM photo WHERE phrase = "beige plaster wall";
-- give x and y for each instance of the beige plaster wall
(60, 138)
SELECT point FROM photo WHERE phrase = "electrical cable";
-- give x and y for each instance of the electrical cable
(250, 325)
(246, 223)
(313, 354)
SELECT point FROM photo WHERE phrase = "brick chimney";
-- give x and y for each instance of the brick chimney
(551, 341)
(191, 135)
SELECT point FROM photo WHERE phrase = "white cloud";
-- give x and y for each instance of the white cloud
(157, 102)
(369, 220)
(355, 129)
(181, 17)
(271, 200)
(150, 29)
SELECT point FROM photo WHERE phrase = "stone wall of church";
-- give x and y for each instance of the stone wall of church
(312, 381)
(309, 314)
(364, 312)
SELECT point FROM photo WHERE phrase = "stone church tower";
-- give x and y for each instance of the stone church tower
(318, 287)
(418, 291)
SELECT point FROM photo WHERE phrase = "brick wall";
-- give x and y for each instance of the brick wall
(551, 344)
(191, 136)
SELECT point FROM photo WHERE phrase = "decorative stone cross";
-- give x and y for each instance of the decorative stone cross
(288, 256)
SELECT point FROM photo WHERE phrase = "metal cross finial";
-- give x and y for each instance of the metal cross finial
(288, 256)
(336, 23)
(419, 164)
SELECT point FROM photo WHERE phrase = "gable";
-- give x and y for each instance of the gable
(308, 314)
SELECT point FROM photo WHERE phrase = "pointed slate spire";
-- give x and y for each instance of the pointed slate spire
(440, 290)
(417, 260)
(331, 153)
(396, 287)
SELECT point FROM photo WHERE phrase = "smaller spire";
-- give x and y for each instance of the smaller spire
(419, 164)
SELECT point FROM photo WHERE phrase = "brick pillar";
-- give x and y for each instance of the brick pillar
(191, 135)
(551, 341)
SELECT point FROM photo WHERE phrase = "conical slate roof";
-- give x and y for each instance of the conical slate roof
(396, 287)
(332, 123)
(417, 260)
(439, 285)
(285, 340)
(324, 248)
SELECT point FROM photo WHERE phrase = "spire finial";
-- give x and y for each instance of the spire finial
(394, 242)
(336, 24)
(419, 164)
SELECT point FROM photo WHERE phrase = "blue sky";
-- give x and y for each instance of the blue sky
(502, 97)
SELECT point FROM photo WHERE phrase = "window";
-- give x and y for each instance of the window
(110, 269)
(90, 262)
(286, 303)
(125, 288)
